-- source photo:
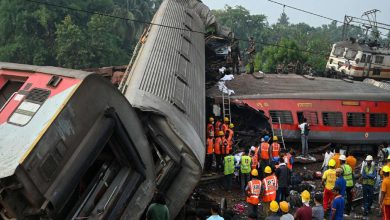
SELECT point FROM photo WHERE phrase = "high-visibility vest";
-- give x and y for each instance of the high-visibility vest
(254, 162)
(210, 130)
(245, 164)
(218, 145)
(254, 189)
(228, 165)
(264, 151)
(270, 186)
(230, 137)
(347, 174)
(225, 146)
(287, 159)
(275, 149)
(217, 127)
(225, 127)
(367, 181)
(210, 145)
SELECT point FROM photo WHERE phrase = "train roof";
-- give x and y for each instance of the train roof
(78, 74)
(291, 86)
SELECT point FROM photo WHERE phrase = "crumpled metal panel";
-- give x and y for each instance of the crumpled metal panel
(168, 76)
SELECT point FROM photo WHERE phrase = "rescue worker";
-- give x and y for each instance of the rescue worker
(336, 157)
(351, 161)
(264, 154)
(209, 153)
(217, 126)
(210, 128)
(225, 125)
(329, 180)
(270, 186)
(218, 151)
(253, 189)
(304, 212)
(274, 208)
(253, 155)
(384, 198)
(245, 168)
(350, 182)
(225, 145)
(228, 170)
(229, 136)
(289, 159)
(369, 178)
(275, 149)
(284, 208)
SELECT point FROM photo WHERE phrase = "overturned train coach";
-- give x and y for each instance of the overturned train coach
(73, 146)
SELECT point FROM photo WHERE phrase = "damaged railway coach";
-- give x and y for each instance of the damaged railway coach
(74, 146)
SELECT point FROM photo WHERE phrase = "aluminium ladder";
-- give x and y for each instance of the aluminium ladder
(226, 106)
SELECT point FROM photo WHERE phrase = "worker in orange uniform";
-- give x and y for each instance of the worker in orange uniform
(209, 153)
(210, 128)
(253, 155)
(225, 124)
(351, 161)
(217, 126)
(253, 190)
(218, 151)
(329, 181)
(270, 186)
(384, 197)
(264, 154)
(229, 136)
(225, 145)
(289, 159)
(275, 149)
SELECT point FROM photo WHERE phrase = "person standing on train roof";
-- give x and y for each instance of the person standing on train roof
(304, 127)
(210, 127)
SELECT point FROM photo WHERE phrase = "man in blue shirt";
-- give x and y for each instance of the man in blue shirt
(337, 205)
(214, 213)
(340, 181)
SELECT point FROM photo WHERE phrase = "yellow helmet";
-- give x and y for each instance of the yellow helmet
(267, 169)
(220, 133)
(305, 195)
(211, 119)
(254, 172)
(332, 163)
(226, 119)
(284, 206)
(386, 169)
(231, 125)
(273, 206)
(275, 138)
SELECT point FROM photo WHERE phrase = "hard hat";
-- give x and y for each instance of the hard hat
(226, 119)
(386, 169)
(305, 195)
(275, 138)
(266, 138)
(262, 139)
(332, 163)
(273, 206)
(220, 133)
(211, 119)
(253, 148)
(388, 157)
(284, 206)
(254, 172)
(342, 157)
(267, 169)
(369, 158)
(231, 125)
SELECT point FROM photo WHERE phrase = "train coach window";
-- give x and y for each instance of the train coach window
(338, 51)
(350, 54)
(311, 117)
(363, 59)
(378, 120)
(356, 119)
(376, 71)
(284, 116)
(379, 59)
(334, 119)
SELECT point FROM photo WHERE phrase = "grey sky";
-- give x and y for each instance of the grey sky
(330, 8)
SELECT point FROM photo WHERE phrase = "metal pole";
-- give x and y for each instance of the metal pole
(281, 133)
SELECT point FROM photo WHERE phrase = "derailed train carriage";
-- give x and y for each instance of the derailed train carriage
(72, 146)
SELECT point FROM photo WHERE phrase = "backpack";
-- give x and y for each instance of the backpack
(306, 129)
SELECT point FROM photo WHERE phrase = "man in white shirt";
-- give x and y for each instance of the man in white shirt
(328, 155)
(304, 136)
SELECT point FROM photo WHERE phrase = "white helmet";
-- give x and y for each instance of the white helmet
(369, 158)
(342, 157)
(253, 148)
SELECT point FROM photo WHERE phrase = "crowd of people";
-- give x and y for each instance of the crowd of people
(264, 174)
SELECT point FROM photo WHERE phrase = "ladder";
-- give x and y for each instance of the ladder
(280, 135)
(226, 106)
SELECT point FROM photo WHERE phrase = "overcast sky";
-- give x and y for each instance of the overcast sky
(335, 9)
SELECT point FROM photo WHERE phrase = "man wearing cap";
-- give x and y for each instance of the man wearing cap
(350, 182)
(369, 178)
(270, 186)
(253, 190)
(384, 198)
(274, 208)
(329, 180)
(337, 205)
(304, 212)
(284, 207)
